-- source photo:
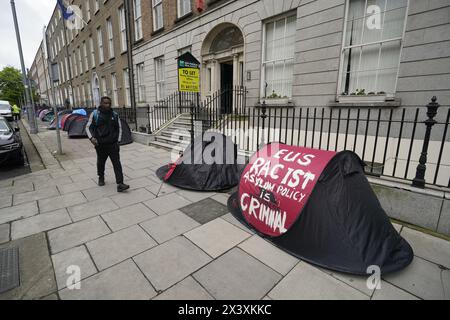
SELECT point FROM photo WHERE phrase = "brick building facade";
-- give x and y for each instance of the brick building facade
(309, 53)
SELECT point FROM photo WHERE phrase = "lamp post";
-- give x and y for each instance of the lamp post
(30, 107)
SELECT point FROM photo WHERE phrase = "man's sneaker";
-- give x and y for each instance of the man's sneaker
(122, 187)
(101, 181)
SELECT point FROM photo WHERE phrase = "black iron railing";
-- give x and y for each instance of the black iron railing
(406, 144)
(410, 144)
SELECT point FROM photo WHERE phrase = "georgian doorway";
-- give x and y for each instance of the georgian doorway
(223, 63)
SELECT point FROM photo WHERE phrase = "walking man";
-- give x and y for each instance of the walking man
(104, 130)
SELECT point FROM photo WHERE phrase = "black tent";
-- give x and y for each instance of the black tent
(68, 121)
(213, 165)
(77, 127)
(127, 138)
(342, 225)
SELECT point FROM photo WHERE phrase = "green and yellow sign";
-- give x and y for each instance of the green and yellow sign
(188, 73)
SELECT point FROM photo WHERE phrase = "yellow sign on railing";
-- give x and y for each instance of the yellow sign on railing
(189, 79)
(188, 73)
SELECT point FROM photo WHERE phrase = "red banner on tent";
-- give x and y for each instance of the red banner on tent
(277, 183)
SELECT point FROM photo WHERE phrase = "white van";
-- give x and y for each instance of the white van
(5, 110)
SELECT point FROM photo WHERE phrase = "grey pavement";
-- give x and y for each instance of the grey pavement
(158, 242)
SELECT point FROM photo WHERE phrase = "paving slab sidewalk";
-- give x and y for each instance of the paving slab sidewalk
(151, 242)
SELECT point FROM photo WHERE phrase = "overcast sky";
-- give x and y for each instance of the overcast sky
(32, 16)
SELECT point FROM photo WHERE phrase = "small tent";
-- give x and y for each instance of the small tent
(77, 127)
(48, 117)
(210, 164)
(61, 116)
(319, 207)
(64, 119)
(52, 125)
(81, 112)
(43, 113)
(68, 121)
(38, 112)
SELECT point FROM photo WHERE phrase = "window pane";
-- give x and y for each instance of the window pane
(278, 78)
(369, 65)
(269, 41)
(389, 60)
(395, 4)
(290, 36)
(373, 26)
(350, 69)
(287, 79)
(228, 38)
(279, 39)
(378, 68)
(280, 49)
(394, 23)
(355, 21)
(390, 52)
(158, 17)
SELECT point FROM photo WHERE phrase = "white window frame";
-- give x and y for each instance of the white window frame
(63, 39)
(78, 97)
(71, 65)
(92, 48)
(58, 44)
(123, 29)
(155, 4)
(86, 58)
(101, 52)
(160, 79)
(126, 82)
(104, 87)
(140, 81)
(80, 60)
(61, 73)
(109, 26)
(89, 92)
(264, 62)
(115, 93)
(137, 7)
(184, 7)
(344, 47)
(74, 58)
(88, 10)
(67, 68)
(83, 95)
(82, 15)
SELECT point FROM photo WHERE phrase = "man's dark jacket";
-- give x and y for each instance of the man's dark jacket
(106, 127)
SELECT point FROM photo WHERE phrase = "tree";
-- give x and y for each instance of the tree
(11, 85)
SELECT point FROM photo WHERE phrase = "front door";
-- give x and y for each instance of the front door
(226, 85)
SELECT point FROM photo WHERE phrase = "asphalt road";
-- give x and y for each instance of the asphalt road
(32, 160)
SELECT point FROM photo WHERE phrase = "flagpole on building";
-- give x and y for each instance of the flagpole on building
(129, 35)
(30, 107)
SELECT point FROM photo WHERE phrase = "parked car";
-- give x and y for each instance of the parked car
(11, 146)
(6, 110)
